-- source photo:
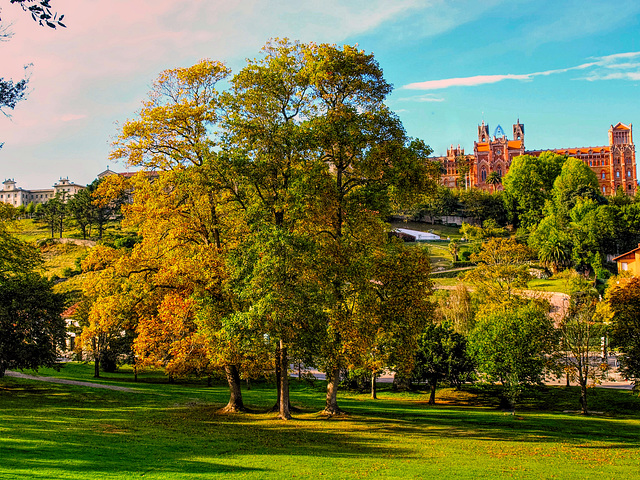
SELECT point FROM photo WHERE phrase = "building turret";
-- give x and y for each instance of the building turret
(483, 133)
(518, 131)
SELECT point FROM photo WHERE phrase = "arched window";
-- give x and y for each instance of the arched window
(617, 173)
(604, 190)
(628, 173)
(628, 187)
(484, 175)
(500, 171)
(602, 174)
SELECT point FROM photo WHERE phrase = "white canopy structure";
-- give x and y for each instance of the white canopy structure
(420, 236)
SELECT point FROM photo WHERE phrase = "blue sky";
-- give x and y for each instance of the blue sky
(567, 69)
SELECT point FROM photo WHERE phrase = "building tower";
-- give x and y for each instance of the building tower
(483, 133)
(518, 131)
(623, 159)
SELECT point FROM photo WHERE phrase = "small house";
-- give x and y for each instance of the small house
(629, 262)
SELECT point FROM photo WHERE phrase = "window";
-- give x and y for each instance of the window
(628, 173)
(617, 174)
(603, 175)
(604, 190)
(484, 174)
(624, 266)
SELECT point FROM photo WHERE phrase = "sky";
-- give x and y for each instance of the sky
(566, 69)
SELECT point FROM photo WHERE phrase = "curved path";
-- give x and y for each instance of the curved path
(559, 301)
(69, 382)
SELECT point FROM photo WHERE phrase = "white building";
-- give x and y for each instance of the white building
(17, 196)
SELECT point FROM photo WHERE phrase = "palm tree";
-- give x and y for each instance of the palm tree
(554, 253)
(494, 179)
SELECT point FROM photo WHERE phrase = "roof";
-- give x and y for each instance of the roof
(109, 172)
(515, 144)
(621, 126)
(574, 151)
(483, 147)
(418, 234)
(619, 257)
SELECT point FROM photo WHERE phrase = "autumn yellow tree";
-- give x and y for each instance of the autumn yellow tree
(187, 221)
(502, 268)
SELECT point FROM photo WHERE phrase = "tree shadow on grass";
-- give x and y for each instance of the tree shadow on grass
(482, 423)
(59, 431)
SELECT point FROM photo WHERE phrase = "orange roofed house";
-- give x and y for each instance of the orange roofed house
(613, 164)
(629, 262)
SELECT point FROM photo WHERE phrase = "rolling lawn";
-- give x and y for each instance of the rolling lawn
(174, 431)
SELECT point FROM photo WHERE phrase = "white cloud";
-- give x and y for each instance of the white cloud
(602, 67)
(464, 81)
(429, 97)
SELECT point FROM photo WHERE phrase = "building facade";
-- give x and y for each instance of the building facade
(613, 164)
(17, 196)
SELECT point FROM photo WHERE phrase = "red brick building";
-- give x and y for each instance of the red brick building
(613, 164)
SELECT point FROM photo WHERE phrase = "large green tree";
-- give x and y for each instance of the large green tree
(441, 356)
(31, 326)
(528, 184)
(575, 181)
(368, 166)
(511, 345)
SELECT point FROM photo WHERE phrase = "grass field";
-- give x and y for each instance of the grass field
(171, 431)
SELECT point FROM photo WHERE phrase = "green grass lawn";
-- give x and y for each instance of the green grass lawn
(58, 257)
(550, 285)
(168, 431)
(30, 231)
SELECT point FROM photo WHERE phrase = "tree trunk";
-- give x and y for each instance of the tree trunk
(96, 358)
(285, 414)
(583, 397)
(235, 404)
(333, 379)
(432, 393)
(276, 407)
(374, 392)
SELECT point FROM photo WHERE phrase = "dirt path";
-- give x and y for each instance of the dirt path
(559, 301)
(69, 382)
